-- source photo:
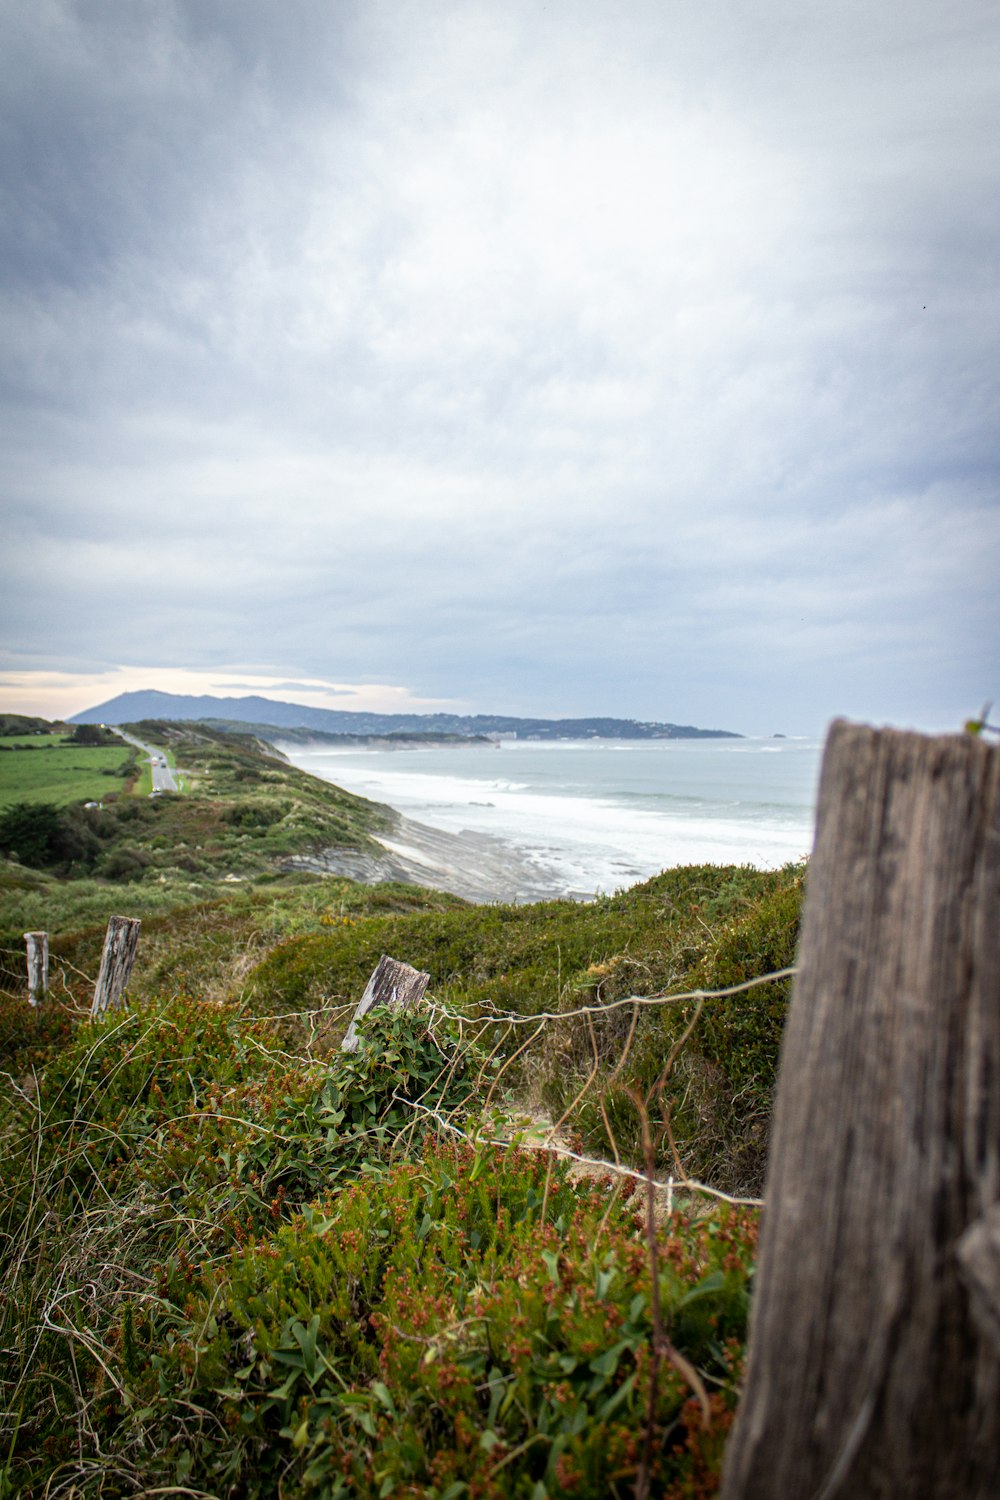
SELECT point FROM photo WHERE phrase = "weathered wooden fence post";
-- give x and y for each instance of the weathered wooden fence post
(38, 966)
(120, 943)
(394, 984)
(874, 1370)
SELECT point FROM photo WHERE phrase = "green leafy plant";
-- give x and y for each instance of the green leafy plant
(473, 1322)
(237, 1261)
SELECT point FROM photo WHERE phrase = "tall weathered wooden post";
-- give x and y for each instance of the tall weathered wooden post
(37, 954)
(120, 943)
(397, 985)
(874, 1369)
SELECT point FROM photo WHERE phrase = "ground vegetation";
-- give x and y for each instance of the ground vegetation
(238, 1262)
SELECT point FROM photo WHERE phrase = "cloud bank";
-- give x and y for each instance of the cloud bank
(564, 360)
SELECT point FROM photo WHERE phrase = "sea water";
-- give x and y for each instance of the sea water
(594, 816)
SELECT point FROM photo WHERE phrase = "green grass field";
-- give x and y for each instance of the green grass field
(59, 772)
(38, 741)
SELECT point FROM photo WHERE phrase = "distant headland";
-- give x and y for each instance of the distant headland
(268, 714)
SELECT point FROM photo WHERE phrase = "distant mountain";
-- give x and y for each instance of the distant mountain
(129, 708)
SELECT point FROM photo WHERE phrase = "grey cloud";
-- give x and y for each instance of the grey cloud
(543, 356)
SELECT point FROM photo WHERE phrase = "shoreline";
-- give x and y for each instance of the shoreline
(476, 866)
(537, 823)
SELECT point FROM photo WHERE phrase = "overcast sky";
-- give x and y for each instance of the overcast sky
(636, 357)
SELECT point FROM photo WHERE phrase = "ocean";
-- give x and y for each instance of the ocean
(594, 816)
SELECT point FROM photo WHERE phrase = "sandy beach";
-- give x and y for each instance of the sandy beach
(469, 864)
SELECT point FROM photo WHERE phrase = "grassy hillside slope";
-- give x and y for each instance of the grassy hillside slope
(237, 1262)
(246, 811)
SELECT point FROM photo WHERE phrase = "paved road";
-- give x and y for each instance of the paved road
(164, 779)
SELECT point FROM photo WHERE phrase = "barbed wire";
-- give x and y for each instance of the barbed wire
(513, 1018)
(496, 1027)
(473, 1028)
(613, 1169)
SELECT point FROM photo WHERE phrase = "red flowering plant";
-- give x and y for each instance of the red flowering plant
(472, 1323)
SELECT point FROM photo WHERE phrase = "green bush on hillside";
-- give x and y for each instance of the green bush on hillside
(29, 1034)
(167, 1135)
(93, 734)
(38, 835)
(695, 928)
(718, 1094)
(74, 841)
(239, 1262)
(471, 1323)
(255, 815)
(198, 1101)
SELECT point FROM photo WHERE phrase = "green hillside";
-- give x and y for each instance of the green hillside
(237, 1262)
(244, 813)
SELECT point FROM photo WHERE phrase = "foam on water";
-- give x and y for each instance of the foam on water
(598, 815)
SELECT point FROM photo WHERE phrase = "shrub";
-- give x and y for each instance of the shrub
(29, 1033)
(742, 1034)
(31, 831)
(254, 815)
(93, 734)
(124, 863)
(47, 837)
(699, 927)
(472, 1323)
(194, 1100)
